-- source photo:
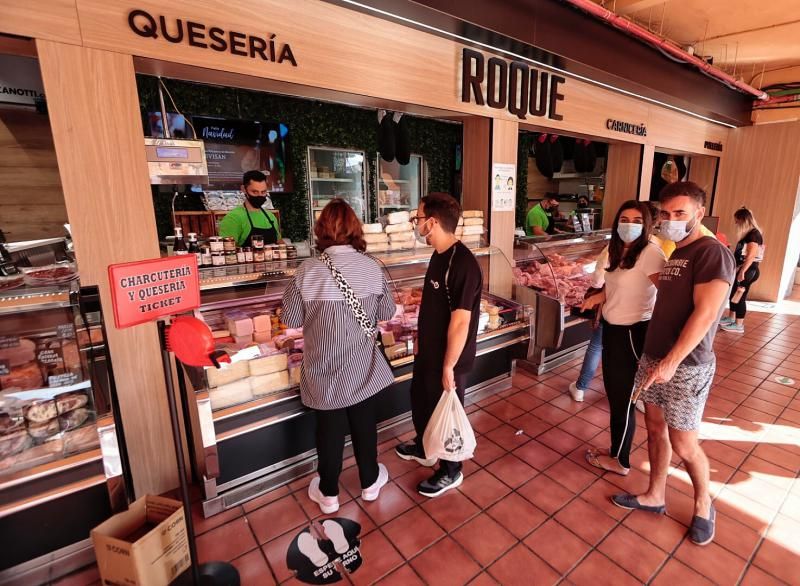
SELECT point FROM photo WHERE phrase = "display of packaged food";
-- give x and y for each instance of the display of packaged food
(262, 337)
(94, 336)
(14, 443)
(22, 378)
(472, 230)
(57, 274)
(40, 431)
(472, 213)
(401, 237)
(378, 247)
(404, 227)
(398, 217)
(268, 364)
(473, 222)
(376, 238)
(11, 282)
(74, 418)
(230, 394)
(10, 423)
(402, 245)
(34, 455)
(40, 411)
(262, 322)
(83, 438)
(242, 341)
(216, 334)
(229, 373)
(372, 228)
(269, 383)
(239, 324)
(70, 401)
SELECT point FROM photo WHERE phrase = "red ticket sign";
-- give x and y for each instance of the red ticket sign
(146, 290)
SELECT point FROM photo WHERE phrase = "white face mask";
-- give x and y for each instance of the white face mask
(629, 232)
(675, 230)
(421, 238)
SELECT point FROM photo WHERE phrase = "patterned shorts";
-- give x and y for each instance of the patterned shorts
(683, 398)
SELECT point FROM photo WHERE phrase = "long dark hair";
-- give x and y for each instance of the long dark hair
(616, 249)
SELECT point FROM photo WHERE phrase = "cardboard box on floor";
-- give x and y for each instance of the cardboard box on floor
(147, 545)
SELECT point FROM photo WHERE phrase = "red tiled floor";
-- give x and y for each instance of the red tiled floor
(253, 569)
(511, 470)
(620, 546)
(537, 455)
(403, 576)
(570, 475)
(712, 561)
(275, 551)
(412, 532)
(517, 515)
(508, 437)
(586, 521)
(451, 510)
(445, 564)
(675, 572)
(380, 558)
(555, 543)
(276, 518)
(484, 489)
(755, 576)
(227, 542)
(660, 530)
(546, 493)
(521, 567)
(484, 539)
(504, 410)
(598, 570)
(392, 502)
(487, 452)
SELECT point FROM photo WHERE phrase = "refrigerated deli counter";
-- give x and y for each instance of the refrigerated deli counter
(249, 430)
(61, 464)
(552, 275)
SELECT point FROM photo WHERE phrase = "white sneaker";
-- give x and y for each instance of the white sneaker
(309, 547)
(577, 394)
(371, 493)
(327, 504)
(335, 533)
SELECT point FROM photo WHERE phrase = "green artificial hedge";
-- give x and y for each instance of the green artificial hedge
(523, 149)
(310, 123)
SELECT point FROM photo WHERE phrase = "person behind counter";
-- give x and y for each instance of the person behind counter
(447, 334)
(539, 221)
(343, 369)
(251, 219)
(748, 254)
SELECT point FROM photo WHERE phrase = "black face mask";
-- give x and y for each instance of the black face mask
(257, 200)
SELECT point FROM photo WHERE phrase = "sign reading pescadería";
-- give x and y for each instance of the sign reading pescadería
(201, 36)
(512, 86)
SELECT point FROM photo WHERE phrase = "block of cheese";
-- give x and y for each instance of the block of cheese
(262, 322)
(239, 325)
(396, 351)
(220, 334)
(403, 245)
(377, 247)
(268, 364)
(468, 238)
(222, 376)
(373, 228)
(473, 230)
(401, 237)
(242, 341)
(262, 337)
(473, 222)
(404, 227)
(473, 213)
(375, 238)
(269, 383)
(398, 217)
(231, 394)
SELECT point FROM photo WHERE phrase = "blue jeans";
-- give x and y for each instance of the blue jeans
(591, 359)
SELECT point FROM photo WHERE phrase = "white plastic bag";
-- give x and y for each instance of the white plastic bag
(449, 435)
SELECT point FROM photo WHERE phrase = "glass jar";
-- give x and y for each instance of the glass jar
(229, 245)
(205, 256)
(258, 255)
(240, 255)
(230, 258)
(217, 258)
(269, 252)
(291, 252)
(248, 254)
(257, 241)
(215, 244)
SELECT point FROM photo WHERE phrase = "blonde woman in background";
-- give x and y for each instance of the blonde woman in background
(748, 254)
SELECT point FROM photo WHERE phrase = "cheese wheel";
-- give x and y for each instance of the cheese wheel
(231, 394)
(377, 247)
(398, 217)
(375, 238)
(217, 377)
(269, 383)
(473, 222)
(401, 237)
(404, 227)
(268, 364)
(372, 228)
(473, 213)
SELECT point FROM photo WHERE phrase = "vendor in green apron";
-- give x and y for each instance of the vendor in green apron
(250, 219)
(539, 221)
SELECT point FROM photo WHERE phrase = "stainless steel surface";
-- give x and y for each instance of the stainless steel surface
(51, 566)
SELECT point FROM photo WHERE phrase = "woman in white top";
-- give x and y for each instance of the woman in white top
(627, 301)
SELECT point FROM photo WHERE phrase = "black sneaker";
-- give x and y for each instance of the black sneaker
(439, 483)
(409, 451)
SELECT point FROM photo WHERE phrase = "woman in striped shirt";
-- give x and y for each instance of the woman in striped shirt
(343, 369)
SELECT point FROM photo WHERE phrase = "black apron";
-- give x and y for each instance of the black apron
(270, 234)
(551, 224)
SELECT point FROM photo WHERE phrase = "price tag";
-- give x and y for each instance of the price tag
(9, 341)
(66, 331)
(49, 357)
(5, 367)
(62, 380)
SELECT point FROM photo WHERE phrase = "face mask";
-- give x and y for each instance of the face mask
(421, 238)
(257, 201)
(675, 230)
(629, 232)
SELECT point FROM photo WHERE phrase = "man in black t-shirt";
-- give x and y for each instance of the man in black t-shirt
(447, 331)
(678, 363)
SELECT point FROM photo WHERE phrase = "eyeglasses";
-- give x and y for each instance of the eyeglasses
(418, 219)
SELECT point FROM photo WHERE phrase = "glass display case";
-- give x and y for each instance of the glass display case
(249, 429)
(59, 449)
(553, 274)
(400, 186)
(334, 172)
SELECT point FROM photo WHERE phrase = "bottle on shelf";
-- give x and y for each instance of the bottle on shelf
(179, 248)
(194, 248)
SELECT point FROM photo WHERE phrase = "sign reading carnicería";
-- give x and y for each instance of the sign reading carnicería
(202, 36)
(626, 127)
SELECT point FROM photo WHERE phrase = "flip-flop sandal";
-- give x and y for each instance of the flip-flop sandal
(630, 502)
(702, 530)
(593, 459)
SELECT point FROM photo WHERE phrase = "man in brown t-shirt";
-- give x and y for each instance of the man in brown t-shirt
(677, 367)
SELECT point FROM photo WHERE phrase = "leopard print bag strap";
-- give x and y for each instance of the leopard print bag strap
(350, 298)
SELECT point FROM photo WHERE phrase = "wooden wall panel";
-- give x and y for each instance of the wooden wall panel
(622, 178)
(476, 163)
(703, 171)
(94, 112)
(761, 170)
(505, 136)
(646, 179)
(538, 184)
(31, 201)
(55, 20)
